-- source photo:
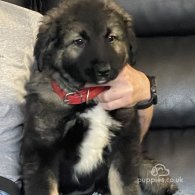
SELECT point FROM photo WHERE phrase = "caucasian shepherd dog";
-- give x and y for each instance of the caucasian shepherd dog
(71, 145)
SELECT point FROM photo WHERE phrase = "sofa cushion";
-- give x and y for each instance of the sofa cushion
(160, 17)
(172, 61)
(18, 29)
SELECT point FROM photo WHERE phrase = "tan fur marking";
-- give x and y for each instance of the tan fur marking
(53, 185)
(115, 184)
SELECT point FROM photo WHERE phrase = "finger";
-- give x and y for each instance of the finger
(110, 95)
(99, 85)
(119, 103)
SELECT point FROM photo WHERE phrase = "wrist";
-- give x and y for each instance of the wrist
(150, 96)
(146, 89)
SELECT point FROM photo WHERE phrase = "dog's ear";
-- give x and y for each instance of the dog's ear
(131, 41)
(112, 5)
(46, 40)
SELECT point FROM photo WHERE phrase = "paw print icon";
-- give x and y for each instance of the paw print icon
(160, 170)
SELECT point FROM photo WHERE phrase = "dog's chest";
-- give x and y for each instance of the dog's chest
(97, 137)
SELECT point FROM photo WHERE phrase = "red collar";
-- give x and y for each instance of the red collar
(77, 97)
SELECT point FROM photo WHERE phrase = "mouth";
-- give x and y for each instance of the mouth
(102, 80)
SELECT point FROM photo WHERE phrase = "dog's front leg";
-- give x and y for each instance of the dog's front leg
(117, 186)
(40, 174)
(42, 182)
(125, 157)
(123, 172)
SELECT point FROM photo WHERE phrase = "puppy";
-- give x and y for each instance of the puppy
(71, 145)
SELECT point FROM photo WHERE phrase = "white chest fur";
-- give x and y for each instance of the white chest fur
(97, 138)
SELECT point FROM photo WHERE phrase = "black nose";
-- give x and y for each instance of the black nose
(104, 73)
(103, 70)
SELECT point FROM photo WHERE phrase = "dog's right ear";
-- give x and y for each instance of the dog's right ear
(46, 39)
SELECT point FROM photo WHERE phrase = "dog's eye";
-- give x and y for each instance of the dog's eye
(111, 38)
(79, 42)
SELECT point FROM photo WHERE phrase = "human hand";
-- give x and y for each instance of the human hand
(130, 87)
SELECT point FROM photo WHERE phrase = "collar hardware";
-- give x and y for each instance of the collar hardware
(78, 97)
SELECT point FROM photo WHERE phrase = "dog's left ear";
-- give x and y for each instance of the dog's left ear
(112, 5)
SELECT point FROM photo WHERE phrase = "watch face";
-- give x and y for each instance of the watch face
(153, 89)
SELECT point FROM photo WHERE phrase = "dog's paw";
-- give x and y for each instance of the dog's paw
(171, 188)
(155, 179)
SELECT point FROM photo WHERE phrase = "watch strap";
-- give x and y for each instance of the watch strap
(153, 100)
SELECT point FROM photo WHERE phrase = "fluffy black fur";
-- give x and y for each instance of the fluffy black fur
(79, 42)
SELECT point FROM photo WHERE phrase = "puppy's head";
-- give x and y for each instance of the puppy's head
(89, 40)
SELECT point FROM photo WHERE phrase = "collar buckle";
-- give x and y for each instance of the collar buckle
(67, 100)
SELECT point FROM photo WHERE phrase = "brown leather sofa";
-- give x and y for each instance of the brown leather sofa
(166, 49)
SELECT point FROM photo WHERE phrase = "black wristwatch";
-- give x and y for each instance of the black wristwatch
(153, 100)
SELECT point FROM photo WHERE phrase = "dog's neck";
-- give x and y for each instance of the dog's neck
(72, 92)
(78, 97)
(66, 82)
